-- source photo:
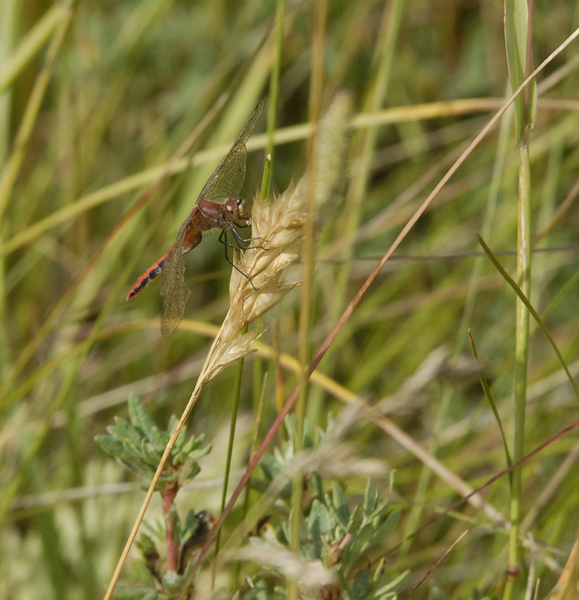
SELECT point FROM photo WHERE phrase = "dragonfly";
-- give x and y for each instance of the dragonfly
(218, 206)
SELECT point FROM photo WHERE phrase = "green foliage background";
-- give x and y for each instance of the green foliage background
(124, 88)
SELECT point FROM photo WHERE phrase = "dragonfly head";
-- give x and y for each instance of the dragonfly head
(236, 208)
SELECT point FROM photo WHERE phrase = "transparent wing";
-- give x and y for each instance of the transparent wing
(229, 176)
(173, 287)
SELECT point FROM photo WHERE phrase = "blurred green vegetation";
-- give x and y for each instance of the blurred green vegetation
(95, 99)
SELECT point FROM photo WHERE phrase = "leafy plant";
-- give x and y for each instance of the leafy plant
(139, 444)
(341, 539)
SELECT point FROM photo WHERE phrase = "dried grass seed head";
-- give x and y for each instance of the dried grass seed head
(277, 227)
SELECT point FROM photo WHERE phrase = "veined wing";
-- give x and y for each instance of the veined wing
(229, 176)
(173, 287)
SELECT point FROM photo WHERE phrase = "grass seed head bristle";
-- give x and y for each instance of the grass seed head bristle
(229, 351)
(332, 146)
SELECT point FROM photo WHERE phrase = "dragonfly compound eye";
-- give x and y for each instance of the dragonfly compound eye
(236, 207)
(242, 208)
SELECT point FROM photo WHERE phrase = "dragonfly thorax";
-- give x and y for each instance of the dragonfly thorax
(236, 208)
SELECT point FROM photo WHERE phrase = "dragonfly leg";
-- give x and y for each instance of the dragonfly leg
(223, 240)
(239, 240)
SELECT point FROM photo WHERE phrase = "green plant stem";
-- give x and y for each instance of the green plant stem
(29, 46)
(274, 84)
(258, 379)
(234, 409)
(518, 34)
(7, 33)
(521, 359)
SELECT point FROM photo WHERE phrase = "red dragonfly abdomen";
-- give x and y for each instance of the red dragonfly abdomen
(192, 238)
(148, 276)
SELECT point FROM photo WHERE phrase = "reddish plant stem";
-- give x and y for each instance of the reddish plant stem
(169, 493)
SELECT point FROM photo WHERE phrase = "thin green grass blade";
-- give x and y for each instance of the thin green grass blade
(31, 45)
(489, 396)
(531, 310)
